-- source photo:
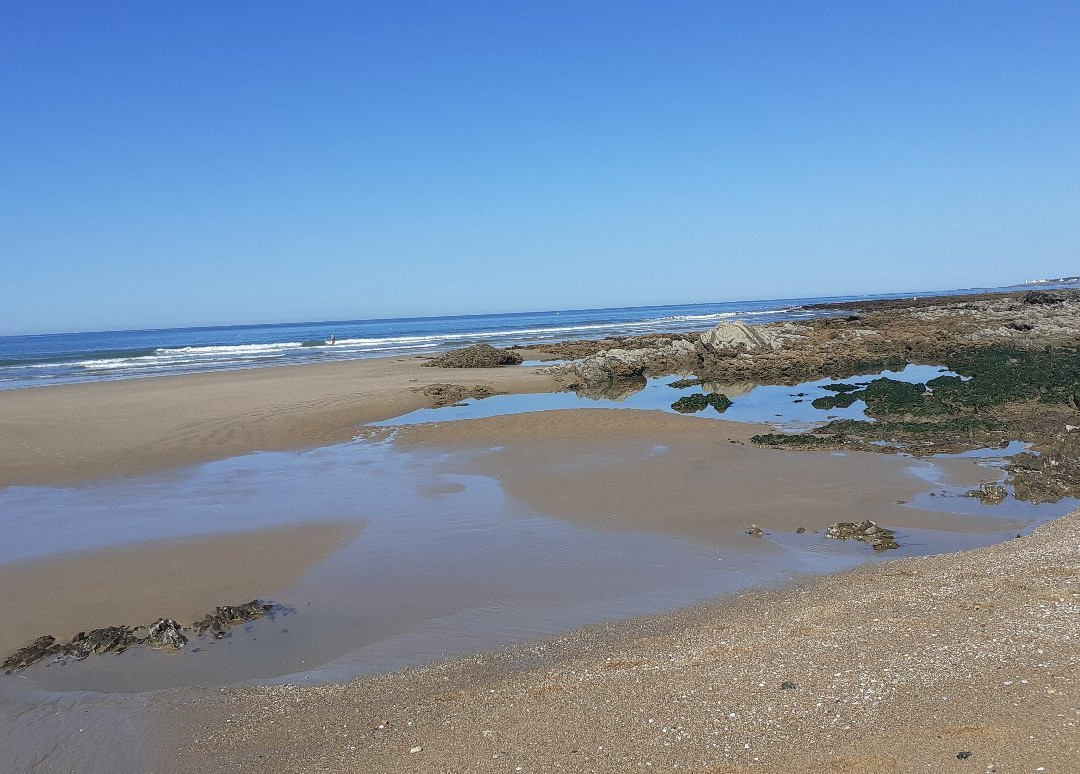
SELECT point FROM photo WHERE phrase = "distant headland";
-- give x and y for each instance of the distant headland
(1058, 281)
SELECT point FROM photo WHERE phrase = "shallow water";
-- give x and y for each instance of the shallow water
(444, 564)
(786, 407)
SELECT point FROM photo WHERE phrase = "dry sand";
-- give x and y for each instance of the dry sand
(80, 432)
(954, 663)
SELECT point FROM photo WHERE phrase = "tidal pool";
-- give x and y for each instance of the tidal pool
(786, 407)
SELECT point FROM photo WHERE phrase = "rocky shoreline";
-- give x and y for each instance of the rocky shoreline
(1016, 354)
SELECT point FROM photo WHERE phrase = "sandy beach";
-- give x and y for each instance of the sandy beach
(537, 388)
(71, 433)
(954, 663)
(958, 662)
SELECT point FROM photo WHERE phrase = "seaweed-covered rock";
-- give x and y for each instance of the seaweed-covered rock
(989, 493)
(840, 387)
(475, 356)
(879, 538)
(1033, 297)
(449, 394)
(218, 623)
(163, 633)
(691, 404)
(111, 639)
(839, 400)
(38, 650)
(796, 441)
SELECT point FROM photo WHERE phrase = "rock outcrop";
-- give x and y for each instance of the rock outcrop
(218, 623)
(164, 633)
(879, 538)
(698, 401)
(451, 394)
(475, 356)
(989, 493)
(740, 337)
(614, 366)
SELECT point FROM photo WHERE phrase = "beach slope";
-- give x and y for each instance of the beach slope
(963, 662)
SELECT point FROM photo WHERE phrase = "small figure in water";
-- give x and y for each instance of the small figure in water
(333, 338)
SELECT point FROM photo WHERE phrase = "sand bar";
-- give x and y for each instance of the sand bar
(687, 476)
(180, 579)
(73, 433)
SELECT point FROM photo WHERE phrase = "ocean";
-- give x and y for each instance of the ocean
(44, 359)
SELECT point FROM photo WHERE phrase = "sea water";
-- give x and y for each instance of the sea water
(54, 358)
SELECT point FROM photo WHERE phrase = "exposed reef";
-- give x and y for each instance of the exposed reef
(691, 404)
(877, 537)
(164, 633)
(451, 394)
(1015, 354)
(475, 356)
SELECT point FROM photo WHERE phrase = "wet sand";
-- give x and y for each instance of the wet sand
(953, 663)
(82, 432)
(686, 476)
(623, 470)
(568, 517)
(179, 579)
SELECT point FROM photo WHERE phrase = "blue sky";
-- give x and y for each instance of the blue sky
(201, 163)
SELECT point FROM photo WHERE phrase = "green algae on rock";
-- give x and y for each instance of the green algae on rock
(691, 404)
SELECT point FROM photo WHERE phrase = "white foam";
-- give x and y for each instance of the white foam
(230, 349)
(180, 359)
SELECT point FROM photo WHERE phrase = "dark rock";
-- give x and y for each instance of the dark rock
(166, 633)
(451, 394)
(963, 756)
(1033, 297)
(111, 639)
(218, 623)
(682, 384)
(840, 387)
(786, 686)
(754, 531)
(476, 356)
(989, 493)
(38, 650)
(691, 404)
(800, 530)
(879, 538)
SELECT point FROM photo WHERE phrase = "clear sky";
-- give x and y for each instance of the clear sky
(183, 163)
